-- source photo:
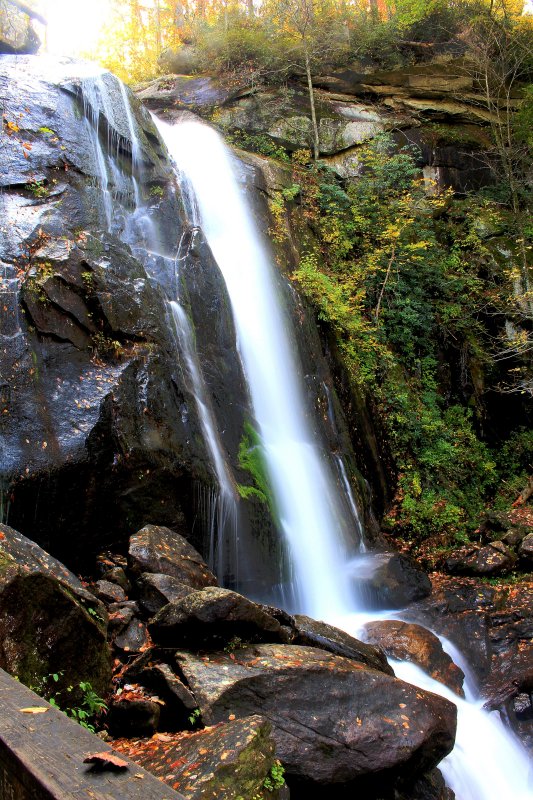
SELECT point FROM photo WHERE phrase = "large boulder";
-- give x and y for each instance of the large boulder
(213, 616)
(17, 34)
(224, 762)
(409, 642)
(334, 720)
(525, 550)
(495, 558)
(156, 549)
(49, 624)
(389, 580)
(319, 634)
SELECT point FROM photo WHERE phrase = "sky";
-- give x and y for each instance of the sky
(73, 25)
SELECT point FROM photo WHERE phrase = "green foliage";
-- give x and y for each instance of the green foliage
(251, 460)
(38, 189)
(94, 613)
(515, 464)
(104, 346)
(195, 718)
(233, 644)
(275, 779)
(258, 143)
(88, 705)
(404, 279)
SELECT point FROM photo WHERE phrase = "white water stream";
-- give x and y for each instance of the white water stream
(309, 511)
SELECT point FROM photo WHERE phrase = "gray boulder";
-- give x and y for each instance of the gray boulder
(49, 624)
(334, 720)
(210, 617)
(157, 549)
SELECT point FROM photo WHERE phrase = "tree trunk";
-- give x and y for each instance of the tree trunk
(316, 137)
(158, 36)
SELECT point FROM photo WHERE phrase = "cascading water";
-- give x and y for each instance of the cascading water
(488, 763)
(223, 512)
(139, 230)
(309, 511)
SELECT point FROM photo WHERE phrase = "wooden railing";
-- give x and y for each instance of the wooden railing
(42, 756)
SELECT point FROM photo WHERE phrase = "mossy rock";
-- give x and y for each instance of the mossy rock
(48, 622)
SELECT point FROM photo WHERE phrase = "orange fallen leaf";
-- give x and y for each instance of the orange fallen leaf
(106, 760)
(34, 710)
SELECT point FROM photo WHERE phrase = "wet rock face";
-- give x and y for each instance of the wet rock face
(156, 549)
(48, 622)
(99, 430)
(409, 642)
(225, 761)
(337, 721)
(493, 559)
(494, 626)
(389, 580)
(326, 637)
(213, 617)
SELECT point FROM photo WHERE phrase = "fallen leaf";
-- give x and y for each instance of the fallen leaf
(106, 759)
(34, 710)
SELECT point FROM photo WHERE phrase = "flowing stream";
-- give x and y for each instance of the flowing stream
(488, 763)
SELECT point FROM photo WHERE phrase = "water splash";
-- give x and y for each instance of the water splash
(487, 762)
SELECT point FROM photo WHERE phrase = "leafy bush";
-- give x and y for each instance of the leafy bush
(405, 283)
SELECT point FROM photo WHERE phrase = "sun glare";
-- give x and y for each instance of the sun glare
(74, 26)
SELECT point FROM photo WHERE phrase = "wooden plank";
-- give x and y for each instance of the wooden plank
(41, 756)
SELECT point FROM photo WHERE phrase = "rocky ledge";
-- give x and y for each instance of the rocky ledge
(221, 694)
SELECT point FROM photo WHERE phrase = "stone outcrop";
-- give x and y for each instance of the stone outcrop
(99, 428)
(338, 719)
(49, 623)
(225, 761)
(435, 106)
(408, 642)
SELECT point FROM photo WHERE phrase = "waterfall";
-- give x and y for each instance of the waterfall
(223, 533)
(321, 526)
(105, 97)
(488, 763)
(311, 515)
